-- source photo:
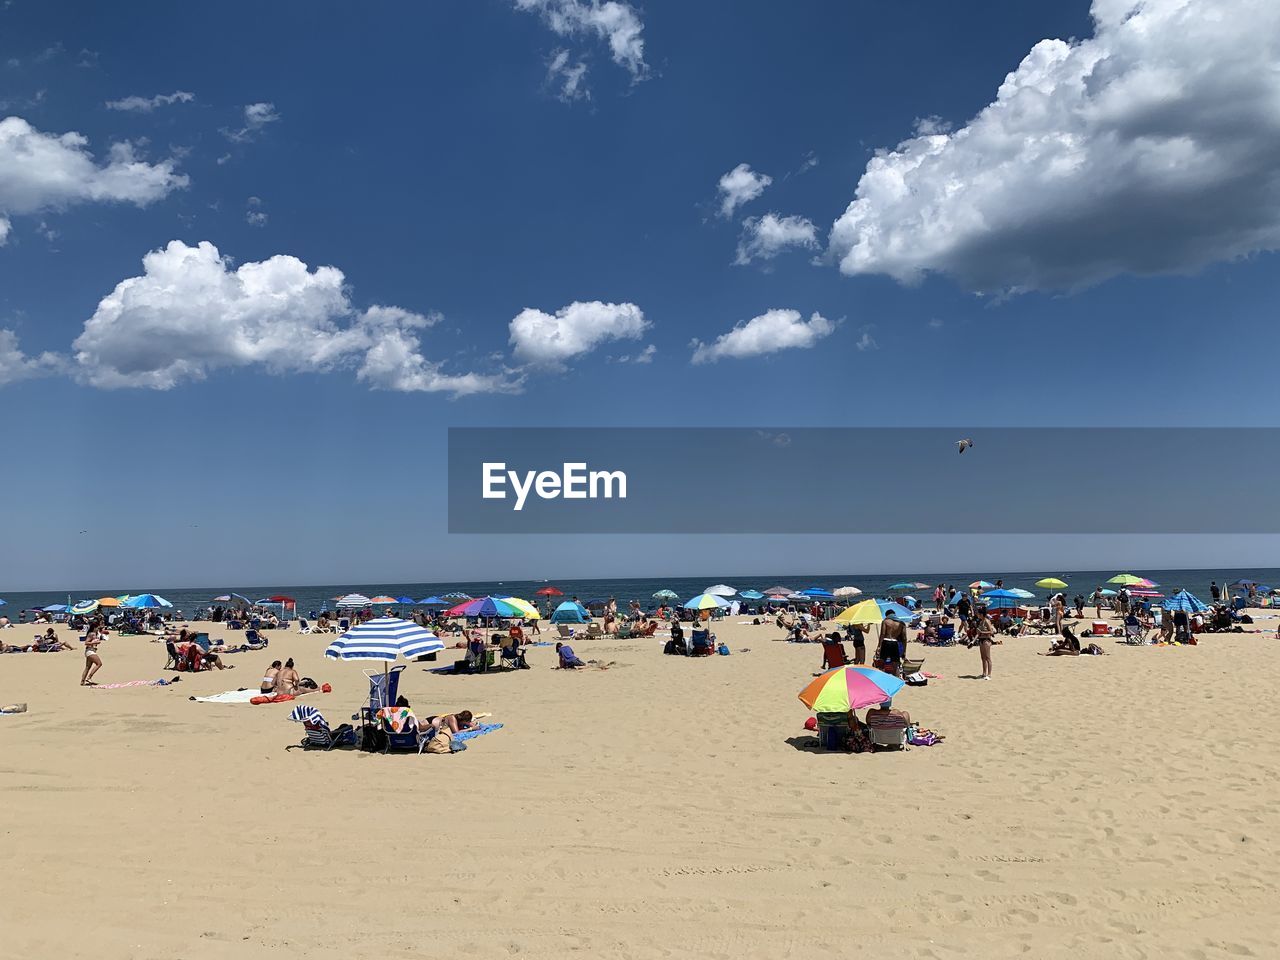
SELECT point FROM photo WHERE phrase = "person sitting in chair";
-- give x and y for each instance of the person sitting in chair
(704, 643)
(676, 644)
(884, 717)
(513, 652)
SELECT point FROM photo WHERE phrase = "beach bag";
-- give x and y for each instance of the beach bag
(917, 680)
(921, 738)
(723, 650)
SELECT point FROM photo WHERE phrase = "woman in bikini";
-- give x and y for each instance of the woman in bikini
(986, 636)
(270, 679)
(287, 679)
(92, 661)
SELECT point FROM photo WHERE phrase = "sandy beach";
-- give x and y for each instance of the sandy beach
(1114, 806)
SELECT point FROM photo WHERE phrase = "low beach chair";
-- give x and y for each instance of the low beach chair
(888, 738)
(253, 640)
(303, 626)
(344, 625)
(319, 735)
(593, 630)
(1135, 634)
(564, 631)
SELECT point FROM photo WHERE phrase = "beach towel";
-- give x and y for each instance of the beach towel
(230, 696)
(470, 734)
(134, 683)
(398, 719)
(306, 713)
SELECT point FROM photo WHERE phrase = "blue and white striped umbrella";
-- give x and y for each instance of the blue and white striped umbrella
(385, 638)
(356, 601)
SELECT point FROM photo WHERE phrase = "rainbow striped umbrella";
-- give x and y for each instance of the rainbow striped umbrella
(849, 688)
(490, 607)
(706, 601)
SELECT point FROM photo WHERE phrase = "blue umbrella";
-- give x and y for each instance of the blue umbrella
(1002, 599)
(55, 608)
(146, 600)
(435, 602)
(408, 600)
(819, 593)
(1, 603)
(569, 612)
(1185, 600)
(897, 609)
(751, 595)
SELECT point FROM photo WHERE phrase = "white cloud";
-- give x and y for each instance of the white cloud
(740, 185)
(136, 104)
(770, 332)
(254, 215)
(190, 314)
(763, 238)
(1148, 148)
(16, 365)
(395, 362)
(644, 356)
(569, 77)
(614, 22)
(544, 339)
(256, 117)
(865, 339)
(45, 171)
(5, 226)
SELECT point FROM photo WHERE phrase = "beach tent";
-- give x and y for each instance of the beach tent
(570, 612)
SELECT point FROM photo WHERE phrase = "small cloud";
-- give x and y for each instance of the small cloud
(136, 104)
(569, 77)
(740, 185)
(256, 117)
(865, 340)
(935, 323)
(808, 163)
(763, 238)
(770, 332)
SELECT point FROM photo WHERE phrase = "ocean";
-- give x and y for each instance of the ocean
(312, 598)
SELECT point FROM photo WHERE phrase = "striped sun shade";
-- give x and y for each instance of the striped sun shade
(385, 638)
(354, 600)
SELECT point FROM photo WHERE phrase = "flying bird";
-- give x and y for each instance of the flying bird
(963, 445)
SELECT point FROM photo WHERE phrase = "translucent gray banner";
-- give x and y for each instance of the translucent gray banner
(863, 480)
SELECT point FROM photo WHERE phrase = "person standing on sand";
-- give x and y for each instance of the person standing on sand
(1214, 591)
(986, 637)
(92, 661)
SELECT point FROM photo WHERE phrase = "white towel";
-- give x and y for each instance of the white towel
(231, 696)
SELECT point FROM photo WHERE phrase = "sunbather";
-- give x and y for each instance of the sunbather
(1068, 645)
(271, 679)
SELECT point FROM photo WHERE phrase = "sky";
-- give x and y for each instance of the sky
(254, 263)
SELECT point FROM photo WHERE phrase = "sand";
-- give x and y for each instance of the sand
(1111, 807)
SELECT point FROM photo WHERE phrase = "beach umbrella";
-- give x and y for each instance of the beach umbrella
(524, 606)
(897, 609)
(1145, 593)
(868, 611)
(819, 593)
(1244, 583)
(666, 595)
(1185, 600)
(904, 585)
(1002, 599)
(847, 592)
(981, 585)
(549, 592)
(146, 600)
(1108, 593)
(108, 602)
(1129, 580)
(721, 590)
(84, 606)
(354, 600)
(383, 598)
(434, 602)
(849, 688)
(1051, 583)
(385, 639)
(55, 608)
(706, 601)
(405, 600)
(1, 603)
(490, 607)
(457, 595)
(1022, 594)
(785, 591)
(570, 612)
(751, 595)
(228, 597)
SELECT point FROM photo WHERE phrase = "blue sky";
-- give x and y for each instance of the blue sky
(547, 243)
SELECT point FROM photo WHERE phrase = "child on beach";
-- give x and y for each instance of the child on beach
(92, 661)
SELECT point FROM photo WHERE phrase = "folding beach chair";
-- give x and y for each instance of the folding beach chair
(344, 625)
(513, 657)
(303, 626)
(254, 640)
(593, 630)
(888, 737)
(319, 735)
(565, 632)
(1135, 634)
